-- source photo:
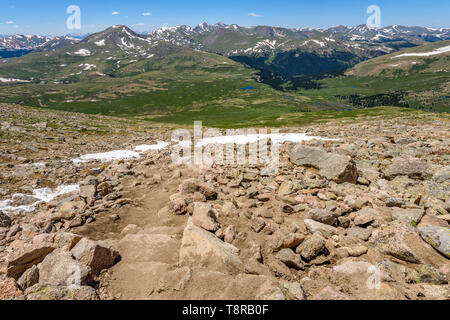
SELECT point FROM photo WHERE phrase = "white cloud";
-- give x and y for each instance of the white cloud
(115, 13)
(252, 14)
(10, 22)
(146, 14)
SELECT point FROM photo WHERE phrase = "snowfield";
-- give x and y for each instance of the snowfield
(278, 138)
(120, 154)
(100, 43)
(425, 54)
(83, 53)
(12, 80)
(39, 196)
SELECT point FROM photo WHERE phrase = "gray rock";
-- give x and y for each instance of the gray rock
(408, 215)
(59, 268)
(311, 247)
(95, 256)
(205, 216)
(392, 240)
(29, 278)
(394, 202)
(429, 274)
(290, 259)
(360, 233)
(5, 220)
(442, 175)
(412, 167)
(323, 216)
(437, 237)
(200, 248)
(352, 269)
(326, 230)
(336, 167)
(294, 291)
(365, 216)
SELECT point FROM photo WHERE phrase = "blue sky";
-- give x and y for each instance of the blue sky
(49, 16)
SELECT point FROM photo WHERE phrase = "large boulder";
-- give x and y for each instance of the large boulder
(94, 255)
(413, 168)
(20, 261)
(326, 230)
(311, 247)
(395, 240)
(360, 233)
(200, 248)
(205, 216)
(437, 237)
(408, 215)
(59, 268)
(336, 167)
(323, 216)
(365, 216)
(290, 259)
(29, 278)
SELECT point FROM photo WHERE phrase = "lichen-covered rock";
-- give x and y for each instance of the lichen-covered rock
(392, 240)
(408, 215)
(411, 167)
(437, 237)
(53, 293)
(311, 247)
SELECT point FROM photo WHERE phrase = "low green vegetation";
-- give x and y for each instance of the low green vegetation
(180, 86)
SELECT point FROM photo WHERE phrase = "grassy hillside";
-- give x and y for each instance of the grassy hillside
(119, 73)
(407, 62)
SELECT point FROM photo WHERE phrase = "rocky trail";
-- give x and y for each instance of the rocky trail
(364, 215)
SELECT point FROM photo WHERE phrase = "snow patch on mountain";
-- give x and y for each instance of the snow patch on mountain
(425, 54)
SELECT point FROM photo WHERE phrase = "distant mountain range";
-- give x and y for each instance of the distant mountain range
(204, 35)
(32, 42)
(119, 71)
(280, 55)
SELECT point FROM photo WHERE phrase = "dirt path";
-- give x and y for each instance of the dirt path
(150, 243)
